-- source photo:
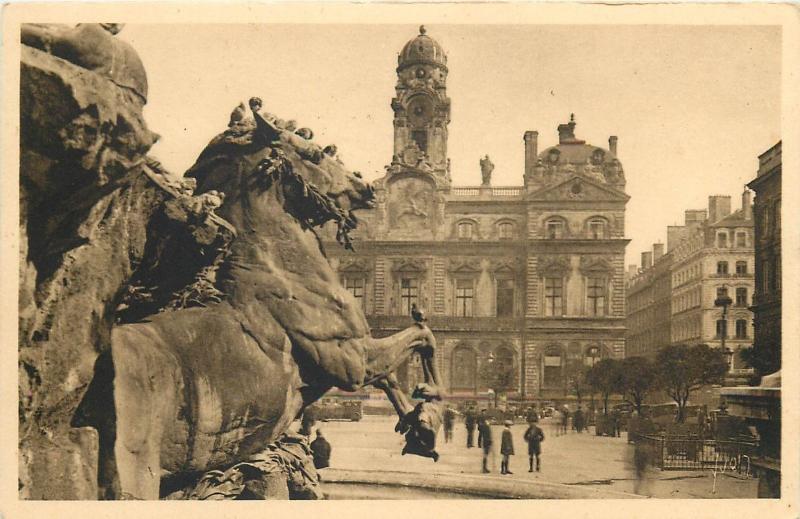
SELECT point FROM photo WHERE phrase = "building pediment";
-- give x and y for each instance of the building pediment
(409, 265)
(356, 265)
(464, 266)
(555, 265)
(505, 266)
(595, 265)
(579, 188)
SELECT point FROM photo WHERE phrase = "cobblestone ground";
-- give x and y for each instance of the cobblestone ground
(573, 459)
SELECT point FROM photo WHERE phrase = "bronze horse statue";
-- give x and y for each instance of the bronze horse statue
(203, 387)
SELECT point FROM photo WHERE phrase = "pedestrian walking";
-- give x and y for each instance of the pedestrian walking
(506, 448)
(485, 435)
(470, 422)
(616, 418)
(321, 452)
(449, 417)
(481, 418)
(564, 419)
(578, 420)
(534, 436)
(531, 415)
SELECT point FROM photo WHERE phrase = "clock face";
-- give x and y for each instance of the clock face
(420, 72)
(420, 110)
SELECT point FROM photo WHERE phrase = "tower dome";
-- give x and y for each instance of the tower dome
(421, 50)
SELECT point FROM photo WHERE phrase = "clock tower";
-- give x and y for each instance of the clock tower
(421, 108)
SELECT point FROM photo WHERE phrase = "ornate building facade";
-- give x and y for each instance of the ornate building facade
(674, 300)
(530, 276)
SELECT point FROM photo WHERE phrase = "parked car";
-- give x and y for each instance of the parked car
(331, 409)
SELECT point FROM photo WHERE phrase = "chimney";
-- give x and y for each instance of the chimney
(675, 234)
(612, 144)
(647, 260)
(658, 251)
(719, 206)
(747, 205)
(531, 139)
(694, 217)
(566, 132)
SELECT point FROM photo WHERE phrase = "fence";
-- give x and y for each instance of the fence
(692, 453)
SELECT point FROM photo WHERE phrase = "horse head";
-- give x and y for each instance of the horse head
(257, 152)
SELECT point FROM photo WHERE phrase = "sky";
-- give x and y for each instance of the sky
(693, 106)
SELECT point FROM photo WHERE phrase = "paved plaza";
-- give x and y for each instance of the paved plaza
(577, 460)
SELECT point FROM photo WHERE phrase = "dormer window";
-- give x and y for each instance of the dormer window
(554, 228)
(722, 240)
(741, 239)
(597, 229)
(465, 230)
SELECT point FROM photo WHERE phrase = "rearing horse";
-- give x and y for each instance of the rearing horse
(203, 387)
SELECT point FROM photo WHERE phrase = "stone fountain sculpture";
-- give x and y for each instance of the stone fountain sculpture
(218, 318)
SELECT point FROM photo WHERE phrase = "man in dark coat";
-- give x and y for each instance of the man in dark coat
(481, 418)
(470, 422)
(321, 450)
(534, 436)
(485, 435)
(506, 448)
(578, 420)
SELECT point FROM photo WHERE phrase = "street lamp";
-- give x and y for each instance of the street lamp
(723, 300)
(490, 391)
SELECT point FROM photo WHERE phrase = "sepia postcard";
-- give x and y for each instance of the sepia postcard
(529, 255)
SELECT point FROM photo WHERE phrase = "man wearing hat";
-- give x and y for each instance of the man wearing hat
(506, 447)
(485, 442)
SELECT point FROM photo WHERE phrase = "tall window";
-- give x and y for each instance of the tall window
(355, 285)
(722, 267)
(505, 297)
(722, 328)
(465, 367)
(464, 294)
(597, 229)
(596, 296)
(722, 240)
(506, 230)
(554, 228)
(741, 296)
(465, 230)
(741, 267)
(592, 356)
(409, 294)
(741, 239)
(552, 368)
(553, 296)
(741, 328)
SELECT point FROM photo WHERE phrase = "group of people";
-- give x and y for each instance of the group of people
(534, 436)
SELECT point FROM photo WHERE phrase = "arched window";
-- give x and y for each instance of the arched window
(553, 364)
(465, 367)
(505, 230)
(555, 228)
(597, 228)
(504, 357)
(465, 230)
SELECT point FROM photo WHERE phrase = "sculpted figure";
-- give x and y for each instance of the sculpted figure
(93, 47)
(203, 388)
(487, 166)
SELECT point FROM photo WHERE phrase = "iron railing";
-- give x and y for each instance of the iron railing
(692, 453)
